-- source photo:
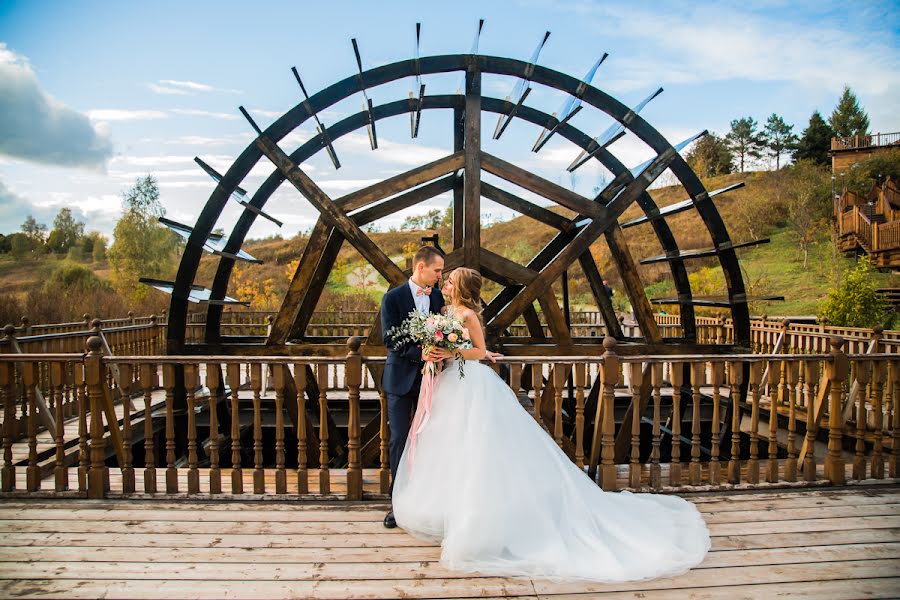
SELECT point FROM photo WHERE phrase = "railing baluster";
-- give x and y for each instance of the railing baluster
(213, 383)
(259, 474)
(146, 376)
(57, 391)
(82, 409)
(676, 374)
(191, 379)
(559, 382)
(716, 373)
(878, 421)
(894, 459)
(579, 407)
(352, 380)
(537, 382)
(838, 368)
(791, 369)
(279, 372)
(324, 473)
(7, 392)
(610, 377)
(302, 472)
(98, 476)
(776, 390)
(756, 373)
(233, 372)
(735, 379)
(169, 385)
(635, 375)
(128, 483)
(863, 372)
(32, 471)
(656, 379)
(810, 374)
(698, 377)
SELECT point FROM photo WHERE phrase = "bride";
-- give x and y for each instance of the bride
(502, 498)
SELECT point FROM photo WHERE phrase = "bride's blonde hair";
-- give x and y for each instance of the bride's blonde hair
(467, 289)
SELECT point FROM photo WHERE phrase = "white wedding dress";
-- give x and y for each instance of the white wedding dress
(503, 499)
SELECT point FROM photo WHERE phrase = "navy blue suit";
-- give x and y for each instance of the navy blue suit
(403, 368)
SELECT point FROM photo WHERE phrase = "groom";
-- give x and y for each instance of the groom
(403, 369)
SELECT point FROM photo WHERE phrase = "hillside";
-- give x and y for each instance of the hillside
(774, 268)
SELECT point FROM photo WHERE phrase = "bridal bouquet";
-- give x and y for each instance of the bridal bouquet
(433, 331)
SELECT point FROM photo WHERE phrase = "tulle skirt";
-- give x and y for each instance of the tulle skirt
(503, 499)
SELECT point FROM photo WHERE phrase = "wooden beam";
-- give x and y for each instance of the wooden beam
(400, 183)
(316, 285)
(300, 283)
(529, 209)
(542, 187)
(458, 207)
(336, 217)
(410, 198)
(556, 320)
(504, 271)
(601, 296)
(472, 171)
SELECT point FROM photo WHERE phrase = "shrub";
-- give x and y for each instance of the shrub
(856, 303)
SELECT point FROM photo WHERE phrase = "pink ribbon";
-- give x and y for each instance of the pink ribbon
(423, 410)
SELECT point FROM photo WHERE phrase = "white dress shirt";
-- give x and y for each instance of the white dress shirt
(423, 301)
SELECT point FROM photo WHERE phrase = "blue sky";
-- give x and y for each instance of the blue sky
(96, 94)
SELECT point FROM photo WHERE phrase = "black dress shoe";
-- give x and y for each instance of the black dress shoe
(389, 520)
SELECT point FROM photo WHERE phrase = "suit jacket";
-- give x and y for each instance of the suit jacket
(404, 362)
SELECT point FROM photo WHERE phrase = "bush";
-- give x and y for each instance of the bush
(856, 303)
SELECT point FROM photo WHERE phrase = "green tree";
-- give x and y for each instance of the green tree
(430, 220)
(778, 137)
(66, 232)
(744, 141)
(815, 141)
(856, 303)
(142, 247)
(874, 170)
(5, 244)
(35, 232)
(710, 156)
(848, 118)
(19, 245)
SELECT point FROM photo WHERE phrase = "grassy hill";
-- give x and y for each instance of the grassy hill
(771, 269)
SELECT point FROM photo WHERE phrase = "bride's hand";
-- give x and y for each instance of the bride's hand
(492, 356)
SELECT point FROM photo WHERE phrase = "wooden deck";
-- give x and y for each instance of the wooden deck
(817, 543)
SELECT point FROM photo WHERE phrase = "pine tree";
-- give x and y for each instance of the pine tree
(778, 137)
(815, 141)
(744, 140)
(848, 118)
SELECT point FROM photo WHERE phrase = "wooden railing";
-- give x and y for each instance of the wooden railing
(864, 141)
(791, 399)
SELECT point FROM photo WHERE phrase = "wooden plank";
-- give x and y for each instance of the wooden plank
(542, 187)
(315, 287)
(334, 215)
(458, 206)
(398, 203)
(601, 296)
(529, 209)
(472, 170)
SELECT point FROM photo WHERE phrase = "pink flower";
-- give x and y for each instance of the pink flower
(465, 333)
(438, 335)
(452, 337)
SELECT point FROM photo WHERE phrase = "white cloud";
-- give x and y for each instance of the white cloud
(181, 88)
(118, 114)
(37, 127)
(390, 152)
(204, 113)
(168, 91)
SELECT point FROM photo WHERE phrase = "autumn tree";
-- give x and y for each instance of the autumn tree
(807, 203)
(778, 137)
(744, 141)
(815, 141)
(142, 247)
(66, 232)
(34, 232)
(848, 118)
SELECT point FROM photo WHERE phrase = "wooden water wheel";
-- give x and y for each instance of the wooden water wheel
(341, 220)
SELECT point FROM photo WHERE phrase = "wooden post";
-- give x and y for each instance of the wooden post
(717, 372)
(7, 392)
(280, 373)
(877, 469)
(776, 388)
(126, 378)
(98, 475)
(146, 377)
(259, 474)
(698, 376)
(579, 407)
(676, 374)
(559, 382)
(191, 377)
(233, 372)
(302, 472)
(636, 375)
(863, 372)
(32, 471)
(169, 385)
(894, 459)
(353, 377)
(57, 394)
(756, 371)
(324, 473)
(837, 368)
(735, 379)
(810, 374)
(791, 369)
(656, 374)
(472, 168)
(609, 374)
